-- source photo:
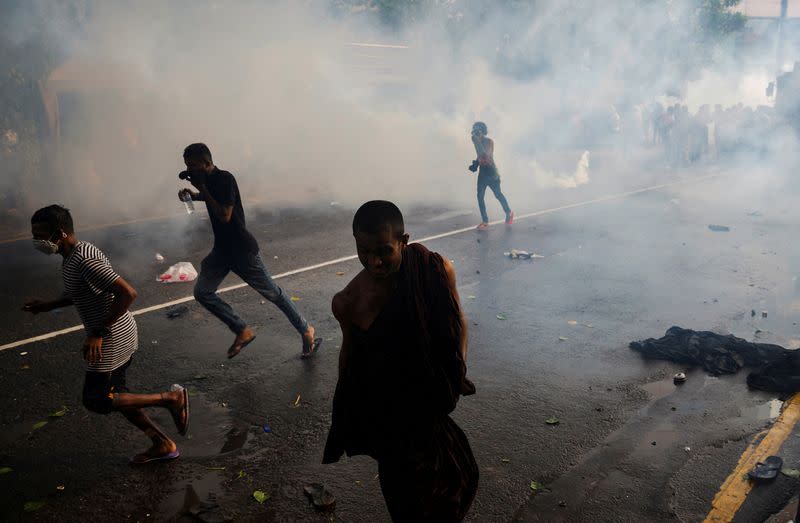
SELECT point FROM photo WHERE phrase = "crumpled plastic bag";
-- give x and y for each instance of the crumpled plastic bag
(180, 272)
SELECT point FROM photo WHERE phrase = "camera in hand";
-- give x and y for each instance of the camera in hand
(474, 166)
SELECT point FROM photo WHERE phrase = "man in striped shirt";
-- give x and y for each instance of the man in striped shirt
(102, 298)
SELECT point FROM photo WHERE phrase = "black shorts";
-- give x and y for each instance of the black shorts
(99, 388)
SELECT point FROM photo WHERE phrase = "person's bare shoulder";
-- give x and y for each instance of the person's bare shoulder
(344, 300)
(450, 270)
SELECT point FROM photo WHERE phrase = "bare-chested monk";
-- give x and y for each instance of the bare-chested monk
(401, 372)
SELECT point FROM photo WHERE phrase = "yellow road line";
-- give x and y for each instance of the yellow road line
(735, 489)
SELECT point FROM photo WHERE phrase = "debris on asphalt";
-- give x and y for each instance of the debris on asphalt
(180, 272)
(687, 449)
(295, 298)
(768, 469)
(340, 273)
(177, 312)
(719, 228)
(763, 314)
(260, 496)
(267, 428)
(552, 420)
(501, 317)
(779, 368)
(154, 342)
(38, 425)
(263, 302)
(792, 473)
(242, 474)
(752, 313)
(320, 497)
(159, 257)
(572, 322)
(60, 488)
(297, 401)
(215, 468)
(679, 378)
(522, 255)
(59, 413)
(23, 353)
(562, 338)
(537, 487)
(505, 460)
(33, 506)
(5, 470)
(562, 503)
(471, 297)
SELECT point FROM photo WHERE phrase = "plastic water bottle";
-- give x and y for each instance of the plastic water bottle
(186, 198)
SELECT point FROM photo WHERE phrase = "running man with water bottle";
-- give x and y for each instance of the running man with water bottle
(235, 249)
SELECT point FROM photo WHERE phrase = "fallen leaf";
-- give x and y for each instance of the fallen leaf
(792, 473)
(6, 470)
(501, 317)
(552, 420)
(261, 496)
(536, 486)
(295, 298)
(59, 413)
(562, 338)
(33, 506)
(572, 322)
(297, 401)
(39, 425)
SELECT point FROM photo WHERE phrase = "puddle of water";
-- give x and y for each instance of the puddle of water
(194, 500)
(766, 411)
(212, 429)
(660, 389)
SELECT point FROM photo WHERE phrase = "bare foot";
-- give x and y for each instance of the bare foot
(164, 450)
(242, 340)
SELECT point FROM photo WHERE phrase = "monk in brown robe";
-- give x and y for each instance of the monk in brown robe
(401, 372)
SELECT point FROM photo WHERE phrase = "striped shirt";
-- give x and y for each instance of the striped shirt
(88, 279)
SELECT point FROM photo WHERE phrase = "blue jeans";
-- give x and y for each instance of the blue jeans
(494, 184)
(250, 268)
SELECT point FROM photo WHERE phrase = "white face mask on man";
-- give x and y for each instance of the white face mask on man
(46, 246)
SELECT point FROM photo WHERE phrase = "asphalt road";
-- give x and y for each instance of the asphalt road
(629, 446)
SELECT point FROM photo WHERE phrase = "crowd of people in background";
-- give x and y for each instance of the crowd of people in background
(708, 134)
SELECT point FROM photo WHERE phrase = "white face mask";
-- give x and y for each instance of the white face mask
(45, 246)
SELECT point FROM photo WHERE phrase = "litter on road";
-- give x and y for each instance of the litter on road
(778, 368)
(180, 272)
(719, 228)
(320, 497)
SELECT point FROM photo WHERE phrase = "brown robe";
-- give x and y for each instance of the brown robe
(404, 377)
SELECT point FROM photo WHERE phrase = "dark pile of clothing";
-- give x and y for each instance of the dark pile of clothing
(778, 369)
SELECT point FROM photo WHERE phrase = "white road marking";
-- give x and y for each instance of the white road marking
(328, 263)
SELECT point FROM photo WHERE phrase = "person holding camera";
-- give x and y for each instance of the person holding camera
(235, 249)
(488, 176)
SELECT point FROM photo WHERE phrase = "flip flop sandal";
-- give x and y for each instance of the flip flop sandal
(183, 428)
(313, 349)
(767, 469)
(150, 459)
(235, 349)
